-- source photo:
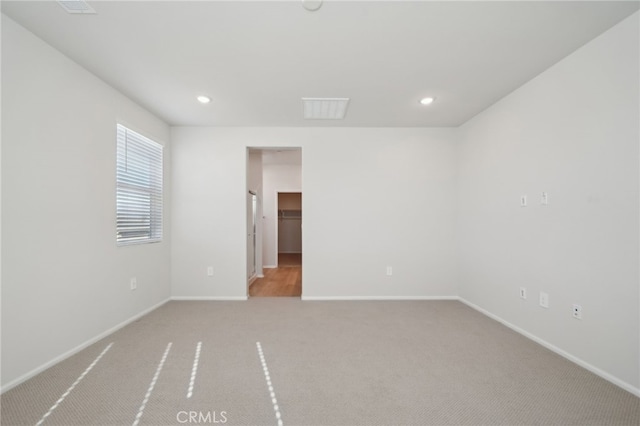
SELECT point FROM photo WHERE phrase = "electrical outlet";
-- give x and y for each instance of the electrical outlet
(210, 271)
(389, 270)
(544, 299)
(544, 199)
(577, 311)
(523, 293)
(134, 283)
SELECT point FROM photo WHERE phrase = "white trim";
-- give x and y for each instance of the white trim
(390, 298)
(78, 348)
(214, 298)
(595, 370)
(269, 266)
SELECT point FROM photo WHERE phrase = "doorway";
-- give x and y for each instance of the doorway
(285, 280)
(276, 173)
(289, 228)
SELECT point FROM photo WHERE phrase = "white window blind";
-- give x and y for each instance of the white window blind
(139, 188)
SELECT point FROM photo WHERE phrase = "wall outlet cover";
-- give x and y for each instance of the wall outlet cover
(577, 311)
(544, 299)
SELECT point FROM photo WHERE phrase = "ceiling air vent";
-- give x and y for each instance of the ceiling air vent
(325, 108)
(76, 6)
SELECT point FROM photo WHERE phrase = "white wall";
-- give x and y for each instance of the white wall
(395, 186)
(573, 132)
(64, 281)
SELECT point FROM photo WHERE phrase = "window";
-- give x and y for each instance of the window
(139, 189)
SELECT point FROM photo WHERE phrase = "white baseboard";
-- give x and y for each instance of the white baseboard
(219, 298)
(382, 298)
(595, 370)
(269, 266)
(78, 348)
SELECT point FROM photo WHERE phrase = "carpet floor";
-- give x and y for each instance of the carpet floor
(281, 361)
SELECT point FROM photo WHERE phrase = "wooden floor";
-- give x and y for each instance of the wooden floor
(283, 281)
(289, 259)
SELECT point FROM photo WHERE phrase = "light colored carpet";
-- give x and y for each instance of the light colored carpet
(329, 363)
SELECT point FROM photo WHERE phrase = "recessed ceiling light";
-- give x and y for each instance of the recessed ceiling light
(427, 101)
(204, 99)
(311, 5)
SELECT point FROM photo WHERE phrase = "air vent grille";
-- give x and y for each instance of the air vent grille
(76, 6)
(324, 108)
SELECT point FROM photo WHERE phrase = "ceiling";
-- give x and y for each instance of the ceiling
(256, 60)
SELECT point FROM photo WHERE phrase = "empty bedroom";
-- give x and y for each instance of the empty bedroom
(316, 212)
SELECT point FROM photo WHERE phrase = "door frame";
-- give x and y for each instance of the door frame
(262, 199)
(252, 195)
(276, 205)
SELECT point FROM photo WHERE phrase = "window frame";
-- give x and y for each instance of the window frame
(139, 188)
